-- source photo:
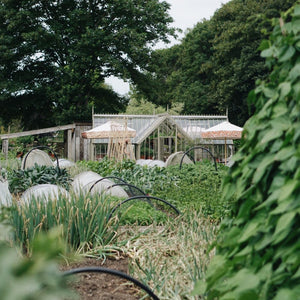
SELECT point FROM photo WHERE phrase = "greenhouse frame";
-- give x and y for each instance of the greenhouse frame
(158, 136)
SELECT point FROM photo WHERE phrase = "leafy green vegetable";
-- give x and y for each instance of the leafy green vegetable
(21, 180)
(194, 187)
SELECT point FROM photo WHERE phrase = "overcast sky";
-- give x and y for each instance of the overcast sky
(186, 14)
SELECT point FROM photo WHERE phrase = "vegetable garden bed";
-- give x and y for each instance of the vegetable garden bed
(170, 252)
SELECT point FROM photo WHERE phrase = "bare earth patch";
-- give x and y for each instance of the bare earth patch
(103, 286)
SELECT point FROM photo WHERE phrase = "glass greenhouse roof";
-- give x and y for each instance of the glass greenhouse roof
(145, 124)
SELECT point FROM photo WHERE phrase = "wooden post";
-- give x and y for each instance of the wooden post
(71, 144)
(158, 145)
(85, 149)
(65, 133)
(77, 142)
(91, 150)
(77, 148)
(138, 151)
(225, 162)
(176, 139)
(5, 147)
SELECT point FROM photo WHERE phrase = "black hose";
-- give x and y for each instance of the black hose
(130, 186)
(142, 197)
(198, 147)
(108, 177)
(115, 273)
(123, 183)
(130, 190)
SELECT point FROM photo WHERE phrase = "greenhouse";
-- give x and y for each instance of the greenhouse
(158, 136)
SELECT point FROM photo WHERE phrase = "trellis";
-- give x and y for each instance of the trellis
(119, 145)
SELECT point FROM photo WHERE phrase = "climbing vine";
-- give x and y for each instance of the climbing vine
(258, 252)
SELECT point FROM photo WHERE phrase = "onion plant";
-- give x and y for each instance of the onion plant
(84, 221)
(172, 257)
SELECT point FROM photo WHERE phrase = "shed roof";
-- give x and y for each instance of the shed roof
(146, 124)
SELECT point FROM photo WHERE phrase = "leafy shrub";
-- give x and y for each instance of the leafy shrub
(146, 178)
(197, 187)
(142, 213)
(258, 255)
(193, 187)
(21, 180)
(106, 166)
(149, 179)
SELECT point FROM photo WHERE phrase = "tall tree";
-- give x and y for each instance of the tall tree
(55, 55)
(239, 27)
(218, 61)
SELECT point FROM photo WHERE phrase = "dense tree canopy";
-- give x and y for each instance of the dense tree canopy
(55, 55)
(218, 61)
(143, 107)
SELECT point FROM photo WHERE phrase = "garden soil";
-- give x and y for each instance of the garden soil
(102, 286)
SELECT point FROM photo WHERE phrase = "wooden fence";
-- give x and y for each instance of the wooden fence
(76, 148)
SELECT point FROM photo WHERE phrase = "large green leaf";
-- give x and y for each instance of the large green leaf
(286, 191)
(285, 88)
(263, 242)
(244, 280)
(295, 72)
(287, 54)
(199, 288)
(250, 230)
(296, 12)
(268, 52)
(271, 135)
(295, 25)
(218, 268)
(262, 168)
(285, 153)
(286, 294)
(284, 222)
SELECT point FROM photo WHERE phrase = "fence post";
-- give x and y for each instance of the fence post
(71, 144)
(5, 143)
